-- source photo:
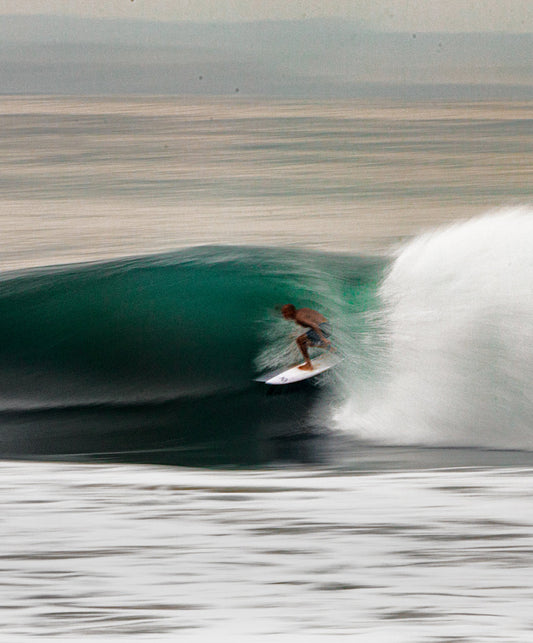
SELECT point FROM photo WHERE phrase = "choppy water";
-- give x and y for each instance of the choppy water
(103, 551)
(388, 502)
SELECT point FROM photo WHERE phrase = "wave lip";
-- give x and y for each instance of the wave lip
(458, 353)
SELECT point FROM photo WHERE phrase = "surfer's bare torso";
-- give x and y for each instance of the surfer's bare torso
(309, 318)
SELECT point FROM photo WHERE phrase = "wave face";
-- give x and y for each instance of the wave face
(456, 361)
(153, 359)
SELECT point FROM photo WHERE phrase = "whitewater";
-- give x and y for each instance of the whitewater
(457, 351)
(150, 488)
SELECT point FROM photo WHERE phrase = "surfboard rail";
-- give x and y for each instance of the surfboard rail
(295, 374)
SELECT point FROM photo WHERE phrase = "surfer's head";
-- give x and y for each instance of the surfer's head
(288, 311)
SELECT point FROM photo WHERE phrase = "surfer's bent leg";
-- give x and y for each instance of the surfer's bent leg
(312, 338)
(303, 342)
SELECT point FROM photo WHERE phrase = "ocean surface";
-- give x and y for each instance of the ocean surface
(152, 489)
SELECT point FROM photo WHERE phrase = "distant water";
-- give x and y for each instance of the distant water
(87, 178)
(147, 245)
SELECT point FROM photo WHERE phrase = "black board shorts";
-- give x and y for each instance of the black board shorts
(314, 337)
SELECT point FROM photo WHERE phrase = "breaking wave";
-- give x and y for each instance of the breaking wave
(455, 364)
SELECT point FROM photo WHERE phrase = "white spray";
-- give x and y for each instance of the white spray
(457, 361)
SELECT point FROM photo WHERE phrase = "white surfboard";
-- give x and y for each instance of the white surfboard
(294, 374)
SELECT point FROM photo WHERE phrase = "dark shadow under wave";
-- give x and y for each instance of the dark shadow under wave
(241, 428)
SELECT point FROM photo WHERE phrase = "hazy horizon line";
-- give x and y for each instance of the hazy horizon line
(346, 23)
(312, 57)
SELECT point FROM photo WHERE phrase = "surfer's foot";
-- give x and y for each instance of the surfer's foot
(306, 367)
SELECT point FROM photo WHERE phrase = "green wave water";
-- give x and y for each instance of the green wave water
(153, 358)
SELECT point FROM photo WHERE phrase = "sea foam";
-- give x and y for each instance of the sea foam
(456, 360)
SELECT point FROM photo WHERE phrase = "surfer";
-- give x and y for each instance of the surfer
(317, 335)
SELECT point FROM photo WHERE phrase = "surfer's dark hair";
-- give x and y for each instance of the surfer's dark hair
(288, 309)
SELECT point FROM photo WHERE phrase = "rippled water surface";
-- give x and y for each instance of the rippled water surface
(100, 551)
(87, 178)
